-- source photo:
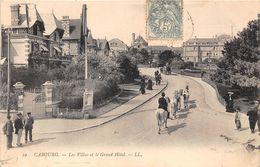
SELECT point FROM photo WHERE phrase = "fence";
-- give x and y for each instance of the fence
(33, 90)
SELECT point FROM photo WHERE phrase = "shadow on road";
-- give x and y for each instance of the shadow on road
(5, 161)
(245, 128)
(192, 101)
(176, 127)
(38, 141)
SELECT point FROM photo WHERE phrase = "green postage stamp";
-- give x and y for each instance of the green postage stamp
(164, 19)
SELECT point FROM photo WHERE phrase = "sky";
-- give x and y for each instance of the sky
(120, 18)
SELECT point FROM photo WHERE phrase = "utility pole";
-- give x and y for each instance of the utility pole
(88, 94)
(8, 73)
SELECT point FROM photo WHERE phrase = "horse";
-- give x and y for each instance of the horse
(161, 116)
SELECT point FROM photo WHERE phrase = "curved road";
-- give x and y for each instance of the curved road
(194, 139)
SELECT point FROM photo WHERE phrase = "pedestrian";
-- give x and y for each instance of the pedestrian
(230, 102)
(149, 85)
(252, 117)
(181, 98)
(237, 119)
(142, 86)
(174, 107)
(163, 103)
(168, 106)
(8, 130)
(156, 76)
(187, 88)
(202, 74)
(178, 100)
(28, 126)
(18, 125)
(185, 99)
(159, 76)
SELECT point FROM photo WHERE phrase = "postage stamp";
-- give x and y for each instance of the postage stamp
(164, 19)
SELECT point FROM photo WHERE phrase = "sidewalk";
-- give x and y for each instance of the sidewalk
(242, 136)
(50, 126)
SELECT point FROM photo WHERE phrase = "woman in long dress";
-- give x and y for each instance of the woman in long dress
(181, 99)
(185, 99)
(168, 106)
(174, 107)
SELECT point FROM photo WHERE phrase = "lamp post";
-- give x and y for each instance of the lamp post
(88, 93)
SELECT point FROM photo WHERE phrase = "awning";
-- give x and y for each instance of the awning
(56, 48)
(2, 61)
(44, 48)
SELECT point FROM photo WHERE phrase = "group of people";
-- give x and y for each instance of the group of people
(172, 106)
(253, 117)
(158, 77)
(19, 124)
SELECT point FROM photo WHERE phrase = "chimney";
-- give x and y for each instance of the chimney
(15, 14)
(133, 38)
(66, 26)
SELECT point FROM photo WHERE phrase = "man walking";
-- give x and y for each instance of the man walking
(252, 117)
(8, 130)
(28, 126)
(18, 125)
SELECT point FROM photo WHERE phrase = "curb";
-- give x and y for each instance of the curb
(110, 120)
(216, 111)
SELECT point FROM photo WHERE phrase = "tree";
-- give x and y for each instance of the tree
(167, 57)
(127, 67)
(142, 56)
(240, 65)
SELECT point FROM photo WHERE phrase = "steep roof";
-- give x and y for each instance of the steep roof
(90, 40)
(51, 23)
(102, 44)
(140, 39)
(29, 15)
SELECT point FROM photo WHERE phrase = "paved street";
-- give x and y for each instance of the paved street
(204, 136)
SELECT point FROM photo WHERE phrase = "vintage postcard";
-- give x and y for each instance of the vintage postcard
(165, 83)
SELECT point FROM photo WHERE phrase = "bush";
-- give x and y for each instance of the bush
(180, 64)
(105, 91)
(71, 93)
(3, 98)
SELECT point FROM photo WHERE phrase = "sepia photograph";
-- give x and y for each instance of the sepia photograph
(133, 83)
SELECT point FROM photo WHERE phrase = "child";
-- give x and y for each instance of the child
(237, 119)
